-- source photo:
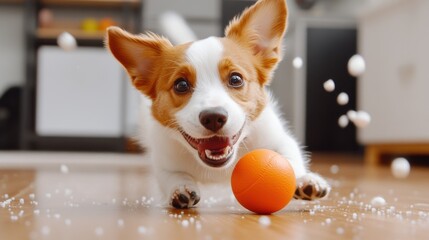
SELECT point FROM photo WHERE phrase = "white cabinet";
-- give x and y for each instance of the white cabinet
(395, 88)
(79, 93)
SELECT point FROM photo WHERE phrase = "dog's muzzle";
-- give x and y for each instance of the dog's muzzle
(214, 151)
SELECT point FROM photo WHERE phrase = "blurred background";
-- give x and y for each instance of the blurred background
(79, 98)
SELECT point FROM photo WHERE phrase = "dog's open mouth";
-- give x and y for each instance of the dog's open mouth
(214, 151)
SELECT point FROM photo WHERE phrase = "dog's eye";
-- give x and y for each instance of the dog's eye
(236, 80)
(182, 86)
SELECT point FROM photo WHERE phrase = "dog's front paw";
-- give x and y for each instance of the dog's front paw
(310, 187)
(185, 197)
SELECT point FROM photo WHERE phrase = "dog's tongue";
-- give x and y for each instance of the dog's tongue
(214, 143)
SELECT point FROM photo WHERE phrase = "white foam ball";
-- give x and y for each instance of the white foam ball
(356, 65)
(264, 221)
(297, 62)
(329, 85)
(185, 223)
(362, 119)
(351, 114)
(400, 168)
(343, 121)
(66, 41)
(378, 201)
(343, 98)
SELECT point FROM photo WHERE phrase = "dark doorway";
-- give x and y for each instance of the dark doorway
(328, 51)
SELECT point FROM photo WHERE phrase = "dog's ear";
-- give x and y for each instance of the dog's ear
(139, 55)
(261, 28)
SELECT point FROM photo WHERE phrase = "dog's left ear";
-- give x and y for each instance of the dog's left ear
(261, 28)
(139, 55)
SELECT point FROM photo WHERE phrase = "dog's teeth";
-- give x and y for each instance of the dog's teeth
(226, 152)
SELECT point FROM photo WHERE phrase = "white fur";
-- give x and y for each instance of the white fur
(209, 91)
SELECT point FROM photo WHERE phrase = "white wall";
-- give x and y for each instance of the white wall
(12, 47)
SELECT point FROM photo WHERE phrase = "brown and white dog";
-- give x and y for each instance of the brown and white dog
(207, 102)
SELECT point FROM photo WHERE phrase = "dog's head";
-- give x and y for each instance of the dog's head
(207, 90)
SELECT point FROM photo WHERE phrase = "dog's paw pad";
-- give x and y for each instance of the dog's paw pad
(184, 197)
(311, 187)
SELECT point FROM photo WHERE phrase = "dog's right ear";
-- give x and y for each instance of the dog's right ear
(139, 55)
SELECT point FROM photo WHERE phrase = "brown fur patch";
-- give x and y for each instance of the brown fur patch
(252, 97)
(153, 65)
(260, 29)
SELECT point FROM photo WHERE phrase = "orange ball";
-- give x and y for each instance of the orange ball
(263, 181)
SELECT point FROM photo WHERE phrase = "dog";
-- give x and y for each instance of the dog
(208, 104)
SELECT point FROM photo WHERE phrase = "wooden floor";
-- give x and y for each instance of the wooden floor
(113, 196)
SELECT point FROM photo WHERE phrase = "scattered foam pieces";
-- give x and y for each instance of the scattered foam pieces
(297, 62)
(343, 98)
(378, 202)
(362, 119)
(334, 169)
(64, 168)
(329, 85)
(343, 121)
(21, 201)
(264, 221)
(356, 65)
(185, 223)
(6, 202)
(66, 41)
(400, 168)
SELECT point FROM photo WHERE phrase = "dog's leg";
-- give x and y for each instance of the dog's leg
(180, 188)
(269, 132)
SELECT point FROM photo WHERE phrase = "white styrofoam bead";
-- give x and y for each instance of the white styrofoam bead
(351, 114)
(400, 168)
(66, 41)
(329, 85)
(297, 62)
(343, 98)
(378, 201)
(343, 121)
(362, 119)
(356, 65)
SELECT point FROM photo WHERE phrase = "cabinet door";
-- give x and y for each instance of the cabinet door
(79, 93)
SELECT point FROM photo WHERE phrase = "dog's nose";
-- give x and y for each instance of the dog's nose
(214, 118)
